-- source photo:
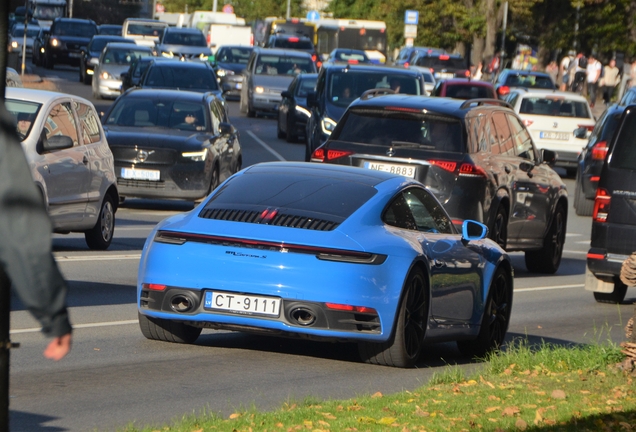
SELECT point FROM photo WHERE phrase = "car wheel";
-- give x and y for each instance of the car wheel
(167, 330)
(499, 229)
(582, 205)
(291, 136)
(48, 62)
(279, 132)
(250, 111)
(615, 297)
(214, 182)
(548, 258)
(408, 337)
(494, 323)
(101, 235)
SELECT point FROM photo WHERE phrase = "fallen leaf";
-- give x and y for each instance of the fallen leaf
(308, 424)
(234, 416)
(366, 420)
(420, 413)
(493, 420)
(354, 408)
(481, 378)
(198, 430)
(521, 424)
(492, 409)
(323, 423)
(387, 420)
(558, 394)
(626, 425)
(539, 327)
(585, 392)
(376, 395)
(510, 411)
(538, 417)
(329, 416)
(279, 425)
(611, 402)
(550, 422)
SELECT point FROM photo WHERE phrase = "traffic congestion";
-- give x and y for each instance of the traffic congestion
(243, 222)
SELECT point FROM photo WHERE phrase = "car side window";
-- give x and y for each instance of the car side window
(60, 121)
(479, 132)
(522, 140)
(512, 99)
(216, 117)
(89, 123)
(398, 214)
(427, 212)
(503, 133)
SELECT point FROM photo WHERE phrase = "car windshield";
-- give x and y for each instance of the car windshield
(529, 81)
(346, 86)
(123, 56)
(144, 29)
(185, 78)
(233, 55)
(283, 65)
(467, 91)
(442, 62)
(48, 12)
(25, 114)
(150, 112)
(393, 128)
(64, 28)
(110, 30)
(305, 86)
(183, 38)
(555, 107)
(31, 32)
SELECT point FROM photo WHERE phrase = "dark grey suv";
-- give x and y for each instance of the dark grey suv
(476, 156)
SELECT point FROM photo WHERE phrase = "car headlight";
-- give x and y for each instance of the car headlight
(197, 156)
(303, 111)
(55, 42)
(327, 125)
(224, 72)
(106, 75)
(14, 44)
(259, 89)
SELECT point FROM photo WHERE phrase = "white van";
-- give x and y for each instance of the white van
(143, 31)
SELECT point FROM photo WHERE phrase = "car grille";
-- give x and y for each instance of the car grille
(281, 219)
(144, 184)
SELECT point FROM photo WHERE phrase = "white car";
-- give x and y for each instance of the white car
(558, 121)
(115, 59)
(17, 40)
(429, 78)
(70, 161)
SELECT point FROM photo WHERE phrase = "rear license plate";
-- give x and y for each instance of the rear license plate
(561, 136)
(74, 55)
(137, 174)
(242, 304)
(404, 170)
(446, 75)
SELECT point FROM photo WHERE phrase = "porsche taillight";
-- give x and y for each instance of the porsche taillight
(601, 205)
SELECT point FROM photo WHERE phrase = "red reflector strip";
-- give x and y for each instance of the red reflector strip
(595, 178)
(595, 256)
(154, 287)
(402, 109)
(349, 308)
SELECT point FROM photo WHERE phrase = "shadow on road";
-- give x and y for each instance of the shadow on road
(30, 422)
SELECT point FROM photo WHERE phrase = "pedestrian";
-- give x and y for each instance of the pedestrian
(563, 70)
(632, 74)
(609, 81)
(577, 72)
(593, 70)
(553, 70)
(478, 73)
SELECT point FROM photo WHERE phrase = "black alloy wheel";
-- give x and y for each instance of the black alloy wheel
(499, 230)
(548, 258)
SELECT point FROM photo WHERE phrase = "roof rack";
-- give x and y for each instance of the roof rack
(484, 101)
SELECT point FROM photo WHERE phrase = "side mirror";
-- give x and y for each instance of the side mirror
(57, 142)
(580, 132)
(286, 94)
(226, 128)
(473, 230)
(549, 156)
(311, 99)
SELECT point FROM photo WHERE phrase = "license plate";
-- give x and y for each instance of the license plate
(74, 55)
(446, 75)
(561, 136)
(242, 304)
(404, 170)
(137, 174)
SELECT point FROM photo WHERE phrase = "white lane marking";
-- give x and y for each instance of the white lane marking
(268, 148)
(575, 252)
(67, 258)
(79, 326)
(549, 288)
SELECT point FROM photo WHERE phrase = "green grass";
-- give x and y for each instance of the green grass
(547, 388)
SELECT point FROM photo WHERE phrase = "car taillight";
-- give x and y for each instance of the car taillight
(154, 287)
(313, 57)
(406, 64)
(527, 123)
(503, 90)
(209, 39)
(293, 39)
(601, 205)
(470, 170)
(318, 64)
(596, 256)
(467, 73)
(445, 165)
(352, 61)
(599, 151)
(319, 154)
(588, 127)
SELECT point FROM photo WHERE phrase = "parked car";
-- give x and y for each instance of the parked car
(464, 88)
(293, 111)
(65, 40)
(132, 77)
(109, 29)
(359, 256)
(613, 224)
(89, 56)
(475, 156)
(591, 159)
(348, 55)
(193, 76)
(171, 143)
(114, 60)
(70, 161)
(16, 39)
(269, 73)
(229, 64)
(37, 56)
(552, 117)
(338, 85)
(509, 79)
(183, 43)
(13, 78)
(442, 64)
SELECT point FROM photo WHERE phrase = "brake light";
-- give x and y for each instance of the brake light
(445, 165)
(601, 205)
(313, 57)
(470, 170)
(318, 64)
(402, 109)
(599, 151)
(154, 287)
(588, 127)
(293, 39)
(595, 178)
(319, 154)
(444, 57)
(352, 61)
(503, 90)
(350, 308)
(431, 70)
(406, 64)
(295, 20)
(527, 123)
(209, 39)
(467, 73)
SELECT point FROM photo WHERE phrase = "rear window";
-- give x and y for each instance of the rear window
(555, 107)
(465, 91)
(283, 65)
(185, 38)
(123, 56)
(181, 78)
(624, 153)
(233, 55)
(64, 28)
(529, 81)
(145, 29)
(325, 197)
(395, 128)
(344, 87)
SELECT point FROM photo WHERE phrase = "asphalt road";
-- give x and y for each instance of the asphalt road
(114, 376)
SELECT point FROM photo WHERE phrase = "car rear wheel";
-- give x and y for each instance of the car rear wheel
(548, 258)
(494, 323)
(499, 230)
(101, 235)
(582, 205)
(405, 346)
(615, 297)
(167, 331)
(250, 111)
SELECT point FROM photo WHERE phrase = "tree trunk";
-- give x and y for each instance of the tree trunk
(491, 28)
(478, 50)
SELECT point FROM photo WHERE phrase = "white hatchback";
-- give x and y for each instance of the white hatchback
(70, 161)
(555, 120)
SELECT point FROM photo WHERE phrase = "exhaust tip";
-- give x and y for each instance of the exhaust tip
(182, 303)
(303, 316)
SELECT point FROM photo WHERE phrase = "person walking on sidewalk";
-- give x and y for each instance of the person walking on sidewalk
(594, 69)
(564, 79)
(611, 78)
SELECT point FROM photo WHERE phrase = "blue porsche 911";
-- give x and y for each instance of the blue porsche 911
(326, 252)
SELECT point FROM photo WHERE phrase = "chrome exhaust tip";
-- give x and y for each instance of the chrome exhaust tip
(303, 316)
(182, 303)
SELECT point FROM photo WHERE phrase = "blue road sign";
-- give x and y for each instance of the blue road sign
(411, 17)
(313, 15)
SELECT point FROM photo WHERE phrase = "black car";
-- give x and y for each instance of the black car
(37, 57)
(183, 43)
(590, 160)
(90, 55)
(182, 75)
(109, 29)
(407, 54)
(229, 64)
(66, 38)
(339, 84)
(293, 112)
(476, 156)
(511, 78)
(613, 222)
(441, 64)
(171, 144)
(135, 72)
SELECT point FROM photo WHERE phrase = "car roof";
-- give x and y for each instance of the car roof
(182, 30)
(115, 38)
(126, 45)
(183, 64)
(547, 92)
(282, 51)
(39, 96)
(466, 81)
(340, 66)
(78, 20)
(159, 93)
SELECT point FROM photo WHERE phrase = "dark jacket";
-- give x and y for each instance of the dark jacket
(25, 233)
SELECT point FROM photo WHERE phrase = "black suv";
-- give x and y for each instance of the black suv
(476, 156)
(613, 221)
(441, 64)
(66, 39)
(181, 75)
(339, 84)
(590, 160)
